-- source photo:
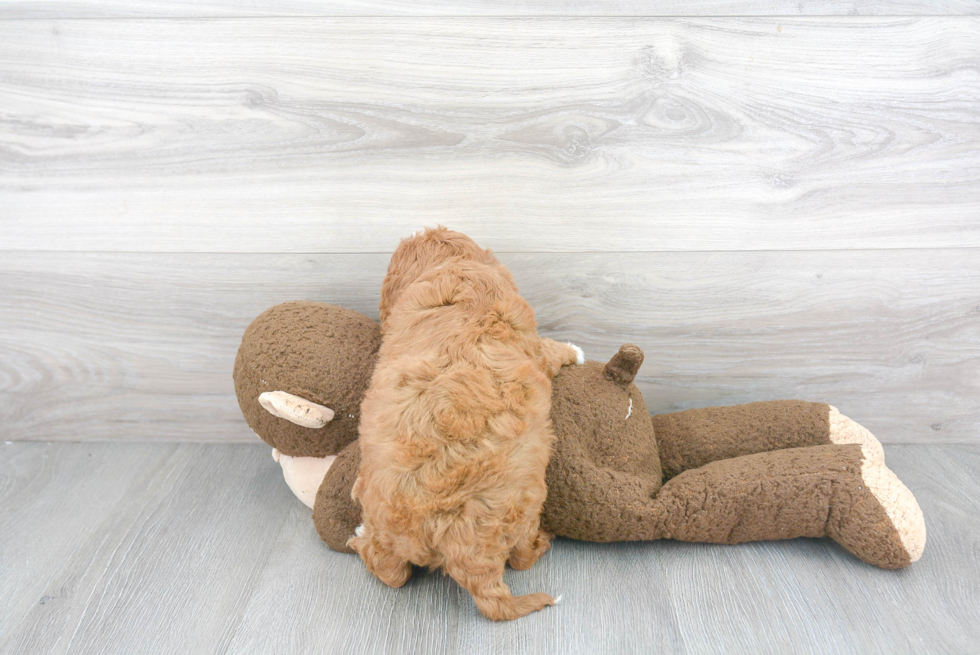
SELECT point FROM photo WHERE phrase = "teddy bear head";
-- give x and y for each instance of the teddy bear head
(319, 354)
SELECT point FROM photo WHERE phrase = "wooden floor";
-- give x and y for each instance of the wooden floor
(180, 548)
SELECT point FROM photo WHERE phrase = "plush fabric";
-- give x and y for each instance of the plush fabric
(696, 437)
(320, 352)
(769, 470)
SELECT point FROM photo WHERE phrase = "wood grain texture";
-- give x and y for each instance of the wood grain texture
(534, 134)
(141, 346)
(63, 9)
(202, 548)
(146, 546)
(44, 480)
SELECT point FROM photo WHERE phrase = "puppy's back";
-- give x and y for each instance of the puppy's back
(455, 434)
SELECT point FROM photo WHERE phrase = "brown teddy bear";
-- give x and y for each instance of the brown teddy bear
(766, 470)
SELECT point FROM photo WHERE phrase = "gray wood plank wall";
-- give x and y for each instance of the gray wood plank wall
(771, 206)
(534, 134)
(224, 8)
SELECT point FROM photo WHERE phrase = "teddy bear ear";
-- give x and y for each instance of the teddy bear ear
(296, 410)
(623, 366)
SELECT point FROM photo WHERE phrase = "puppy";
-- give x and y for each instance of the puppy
(455, 431)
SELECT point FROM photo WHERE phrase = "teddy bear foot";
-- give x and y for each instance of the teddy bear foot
(899, 505)
(304, 474)
(876, 517)
(845, 431)
(896, 512)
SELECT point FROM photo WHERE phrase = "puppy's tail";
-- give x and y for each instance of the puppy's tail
(485, 581)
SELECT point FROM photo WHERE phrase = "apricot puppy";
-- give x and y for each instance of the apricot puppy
(455, 431)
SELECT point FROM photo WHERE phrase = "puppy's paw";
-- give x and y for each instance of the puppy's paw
(357, 541)
(580, 354)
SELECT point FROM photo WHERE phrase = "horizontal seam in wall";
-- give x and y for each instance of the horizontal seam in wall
(491, 16)
(497, 252)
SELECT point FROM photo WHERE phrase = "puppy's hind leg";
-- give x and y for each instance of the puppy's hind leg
(380, 558)
(484, 579)
(529, 549)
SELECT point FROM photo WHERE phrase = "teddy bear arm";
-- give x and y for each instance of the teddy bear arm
(831, 490)
(695, 437)
(335, 514)
(593, 502)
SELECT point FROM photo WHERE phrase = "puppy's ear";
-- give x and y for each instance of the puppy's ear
(623, 366)
(391, 289)
(407, 263)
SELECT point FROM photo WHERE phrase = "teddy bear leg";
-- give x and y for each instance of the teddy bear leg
(831, 490)
(695, 437)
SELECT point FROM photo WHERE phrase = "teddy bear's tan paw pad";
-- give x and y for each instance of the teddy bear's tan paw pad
(845, 431)
(899, 504)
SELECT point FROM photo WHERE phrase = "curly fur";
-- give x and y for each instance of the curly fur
(455, 431)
